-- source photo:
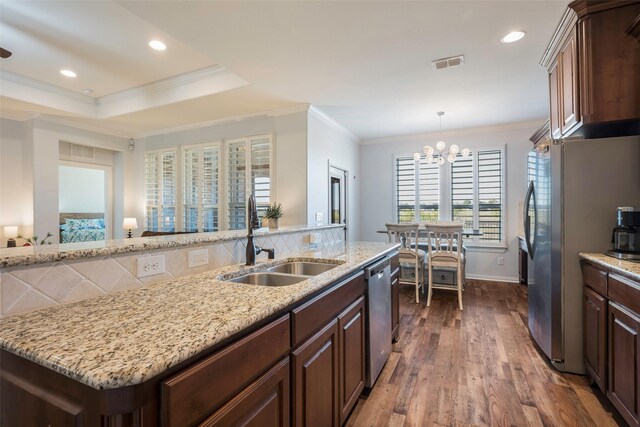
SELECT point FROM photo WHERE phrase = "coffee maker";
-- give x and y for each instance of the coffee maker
(626, 235)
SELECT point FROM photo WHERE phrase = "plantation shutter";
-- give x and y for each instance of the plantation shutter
(490, 181)
(462, 194)
(153, 191)
(261, 173)
(405, 190)
(210, 187)
(201, 177)
(169, 187)
(429, 190)
(160, 176)
(237, 184)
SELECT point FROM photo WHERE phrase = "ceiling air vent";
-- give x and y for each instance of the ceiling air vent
(452, 61)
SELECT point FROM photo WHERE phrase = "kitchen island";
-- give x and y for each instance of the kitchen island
(112, 359)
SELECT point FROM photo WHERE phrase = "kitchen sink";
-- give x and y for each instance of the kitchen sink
(302, 268)
(264, 278)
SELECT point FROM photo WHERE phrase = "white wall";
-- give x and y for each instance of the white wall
(376, 195)
(16, 190)
(328, 143)
(81, 189)
(290, 131)
(36, 163)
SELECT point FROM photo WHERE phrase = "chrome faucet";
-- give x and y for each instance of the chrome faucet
(252, 224)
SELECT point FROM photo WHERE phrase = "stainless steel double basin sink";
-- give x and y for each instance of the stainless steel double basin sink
(285, 274)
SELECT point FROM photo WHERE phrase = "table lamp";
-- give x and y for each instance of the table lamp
(11, 232)
(130, 224)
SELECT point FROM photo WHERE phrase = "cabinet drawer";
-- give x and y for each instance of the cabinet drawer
(395, 262)
(444, 277)
(314, 314)
(594, 278)
(625, 292)
(195, 393)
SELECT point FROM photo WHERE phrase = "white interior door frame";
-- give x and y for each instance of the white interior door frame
(342, 174)
(108, 191)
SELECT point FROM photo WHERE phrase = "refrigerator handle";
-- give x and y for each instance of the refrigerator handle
(527, 220)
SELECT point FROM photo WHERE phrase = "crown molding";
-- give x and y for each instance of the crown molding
(19, 79)
(331, 122)
(533, 124)
(17, 116)
(84, 126)
(298, 108)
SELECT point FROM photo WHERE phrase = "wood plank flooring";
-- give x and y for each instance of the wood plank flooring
(476, 367)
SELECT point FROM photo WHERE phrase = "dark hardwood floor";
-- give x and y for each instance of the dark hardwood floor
(476, 367)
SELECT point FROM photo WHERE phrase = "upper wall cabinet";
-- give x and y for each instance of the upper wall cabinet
(593, 61)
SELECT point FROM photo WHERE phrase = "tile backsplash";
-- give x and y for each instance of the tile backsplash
(30, 287)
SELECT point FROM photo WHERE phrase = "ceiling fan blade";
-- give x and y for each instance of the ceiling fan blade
(4, 53)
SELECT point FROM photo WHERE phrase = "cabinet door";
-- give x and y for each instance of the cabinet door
(570, 110)
(595, 341)
(263, 403)
(554, 101)
(315, 379)
(351, 345)
(623, 361)
(395, 308)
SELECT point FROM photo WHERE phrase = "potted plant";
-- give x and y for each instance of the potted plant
(272, 213)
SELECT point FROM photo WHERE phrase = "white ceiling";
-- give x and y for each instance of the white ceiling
(366, 64)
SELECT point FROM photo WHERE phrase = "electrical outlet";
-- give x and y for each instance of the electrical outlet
(319, 216)
(500, 260)
(198, 257)
(150, 265)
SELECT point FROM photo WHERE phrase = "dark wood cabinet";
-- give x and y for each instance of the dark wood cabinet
(315, 379)
(265, 403)
(523, 262)
(611, 325)
(595, 338)
(395, 297)
(352, 356)
(624, 362)
(593, 62)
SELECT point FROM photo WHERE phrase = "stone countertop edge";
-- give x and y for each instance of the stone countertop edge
(11, 257)
(127, 338)
(625, 268)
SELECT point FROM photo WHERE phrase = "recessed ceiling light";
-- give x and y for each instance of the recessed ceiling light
(513, 36)
(157, 45)
(68, 73)
(87, 91)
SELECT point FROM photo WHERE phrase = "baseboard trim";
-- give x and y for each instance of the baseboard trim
(494, 278)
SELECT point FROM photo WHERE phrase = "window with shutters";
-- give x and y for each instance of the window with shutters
(417, 190)
(161, 186)
(200, 210)
(477, 193)
(248, 171)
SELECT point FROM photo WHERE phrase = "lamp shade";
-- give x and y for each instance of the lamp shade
(130, 224)
(10, 231)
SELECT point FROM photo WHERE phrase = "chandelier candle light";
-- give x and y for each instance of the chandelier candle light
(440, 151)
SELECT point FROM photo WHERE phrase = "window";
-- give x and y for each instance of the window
(248, 171)
(475, 196)
(200, 190)
(477, 193)
(215, 181)
(161, 184)
(416, 190)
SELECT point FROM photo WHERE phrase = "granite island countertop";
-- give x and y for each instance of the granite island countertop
(129, 337)
(26, 255)
(625, 268)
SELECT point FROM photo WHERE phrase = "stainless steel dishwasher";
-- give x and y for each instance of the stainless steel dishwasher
(378, 325)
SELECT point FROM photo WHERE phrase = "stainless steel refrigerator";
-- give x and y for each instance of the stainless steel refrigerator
(575, 186)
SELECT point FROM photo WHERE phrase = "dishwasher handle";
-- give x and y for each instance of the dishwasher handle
(377, 269)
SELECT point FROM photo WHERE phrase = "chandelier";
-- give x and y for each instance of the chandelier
(440, 152)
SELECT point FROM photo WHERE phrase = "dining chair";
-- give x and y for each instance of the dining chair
(445, 250)
(410, 253)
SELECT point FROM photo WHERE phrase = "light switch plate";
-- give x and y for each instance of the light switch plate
(319, 216)
(150, 265)
(198, 257)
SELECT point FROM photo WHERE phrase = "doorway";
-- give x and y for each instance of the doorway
(84, 202)
(338, 196)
